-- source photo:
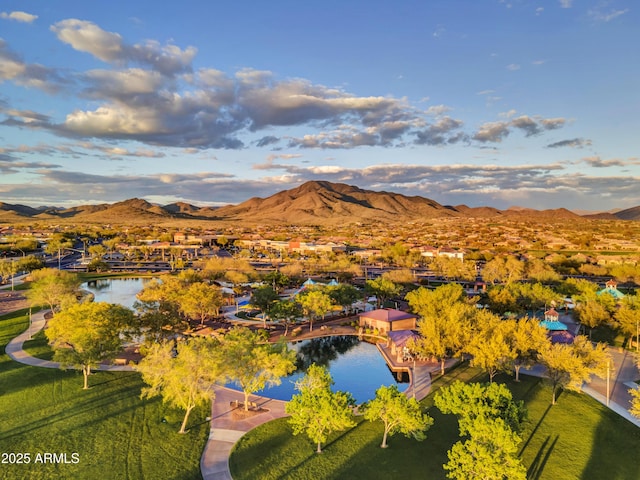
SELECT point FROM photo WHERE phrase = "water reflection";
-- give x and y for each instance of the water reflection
(322, 350)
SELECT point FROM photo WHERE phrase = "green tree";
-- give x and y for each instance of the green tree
(86, 334)
(491, 420)
(315, 304)
(57, 244)
(286, 311)
(627, 317)
(383, 289)
(445, 323)
(53, 288)
(264, 298)
(635, 402)
(159, 308)
(397, 413)
(489, 454)
(473, 401)
(201, 301)
(318, 411)
(591, 313)
(504, 269)
(526, 338)
(488, 345)
(277, 280)
(185, 375)
(569, 366)
(253, 363)
(344, 295)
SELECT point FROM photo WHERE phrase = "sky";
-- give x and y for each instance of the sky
(479, 102)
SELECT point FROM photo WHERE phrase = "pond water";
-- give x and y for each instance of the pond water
(356, 367)
(121, 291)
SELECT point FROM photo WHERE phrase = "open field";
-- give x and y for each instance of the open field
(576, 439)
(114, 434)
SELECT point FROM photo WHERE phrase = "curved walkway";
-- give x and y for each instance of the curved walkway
(226, 430)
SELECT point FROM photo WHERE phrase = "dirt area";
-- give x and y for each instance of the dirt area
(10, 301)
(239, 413)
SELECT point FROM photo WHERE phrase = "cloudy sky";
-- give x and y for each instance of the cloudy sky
(481, 102)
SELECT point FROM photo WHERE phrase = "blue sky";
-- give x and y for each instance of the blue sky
(477, 102)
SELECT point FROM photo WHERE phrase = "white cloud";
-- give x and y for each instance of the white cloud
(566, 3)
(18, 16)
(513, 67)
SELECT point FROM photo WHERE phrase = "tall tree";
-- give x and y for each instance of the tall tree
(53, 288)
(526, 338)
(315, 304)
(488, 345)
(344, 295)
(569, 366)
(397, 413)
(383, 289)
(287, 311)
(490, 453)
(627, 317)
(201, 301)
(491, 420)
(445, 323)
(86, 334)
(184, 376)
(264, 298)
(318, 411)
(253, 363)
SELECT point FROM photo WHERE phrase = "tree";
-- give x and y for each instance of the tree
(277, 280)
(344, 295)
(526, 338)
(318, 411)
(627, 317)
(569, 366)
(488, 344)
(591, 313)
(473, 401)
(53, 288)
(314, 303)
(158, 304)
(287, 311)
(253, 363)
(398, 414)
(491, 420)
(635, 402)
(489, 454)
(505, 269)
(264, 298)
(201, 300)
(57, 244)
(382, 288)
(445, 321)
(185, 375)
(86, 334)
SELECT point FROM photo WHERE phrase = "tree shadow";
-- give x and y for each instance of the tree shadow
(537, 466)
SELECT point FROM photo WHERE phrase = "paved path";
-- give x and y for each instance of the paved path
(225, 430)
(38, 321)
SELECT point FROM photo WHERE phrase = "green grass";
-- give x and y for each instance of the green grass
(576, 439)
(115, 434)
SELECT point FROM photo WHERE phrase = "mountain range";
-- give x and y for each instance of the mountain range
(315, 202)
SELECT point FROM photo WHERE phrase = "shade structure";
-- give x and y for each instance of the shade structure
(553, 325)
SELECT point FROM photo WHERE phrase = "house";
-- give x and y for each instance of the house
(388, 319)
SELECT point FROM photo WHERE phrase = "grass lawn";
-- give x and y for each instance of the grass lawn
(576, 439)
(115, 434)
